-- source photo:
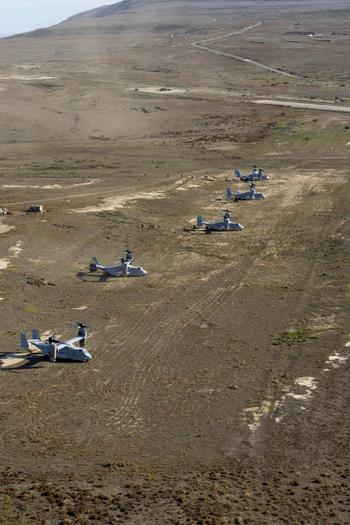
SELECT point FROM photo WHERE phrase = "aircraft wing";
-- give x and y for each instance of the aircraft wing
(112, 270)
(40, 345)
(216, 225)
(71, 341)
(136, 271)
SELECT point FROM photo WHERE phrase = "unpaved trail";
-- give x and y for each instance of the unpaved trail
(304, 105)
(123, 198)
(198, 45)
(251, 99)
(62, 198)
(246, 60)
(239, 32)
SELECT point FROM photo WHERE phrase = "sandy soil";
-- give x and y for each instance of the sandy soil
(218, 392)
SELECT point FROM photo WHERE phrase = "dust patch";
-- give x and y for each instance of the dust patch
(50, 186)
(336, 360)
(23, 77)
(186, 187)
(253, 416)
(114, 203)
(5, 227)
(4, 264)
(309, 384)
(303, 390)
(14, 252)
(16, 249)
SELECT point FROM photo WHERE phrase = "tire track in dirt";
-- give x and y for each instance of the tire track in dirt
(68, 375)
(178, 325)
(151, 340)
(258, 429)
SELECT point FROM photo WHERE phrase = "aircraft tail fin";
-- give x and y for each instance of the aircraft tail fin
(200, 221)
(36, 335)
(94, 264)
(24, 342)
(237, 173)
(229, 193)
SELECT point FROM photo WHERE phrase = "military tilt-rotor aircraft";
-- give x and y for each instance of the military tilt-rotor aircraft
(250, 195)
(124, 269)
(54, 349)
(257, 174)
(221, 226)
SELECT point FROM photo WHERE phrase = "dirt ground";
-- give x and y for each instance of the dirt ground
(218, 392)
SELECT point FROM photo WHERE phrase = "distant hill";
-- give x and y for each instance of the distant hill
(177, 7)
(138, 15)
(107, 10)
(158, 16)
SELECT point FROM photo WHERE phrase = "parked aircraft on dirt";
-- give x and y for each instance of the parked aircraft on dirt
(257, 174)
(124, 269)
(221, 226)
(54, 349)
(250, 195)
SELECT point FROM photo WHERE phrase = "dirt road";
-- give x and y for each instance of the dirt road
(199, 45)
(246, 60)
(227, 35)
(304, 105)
